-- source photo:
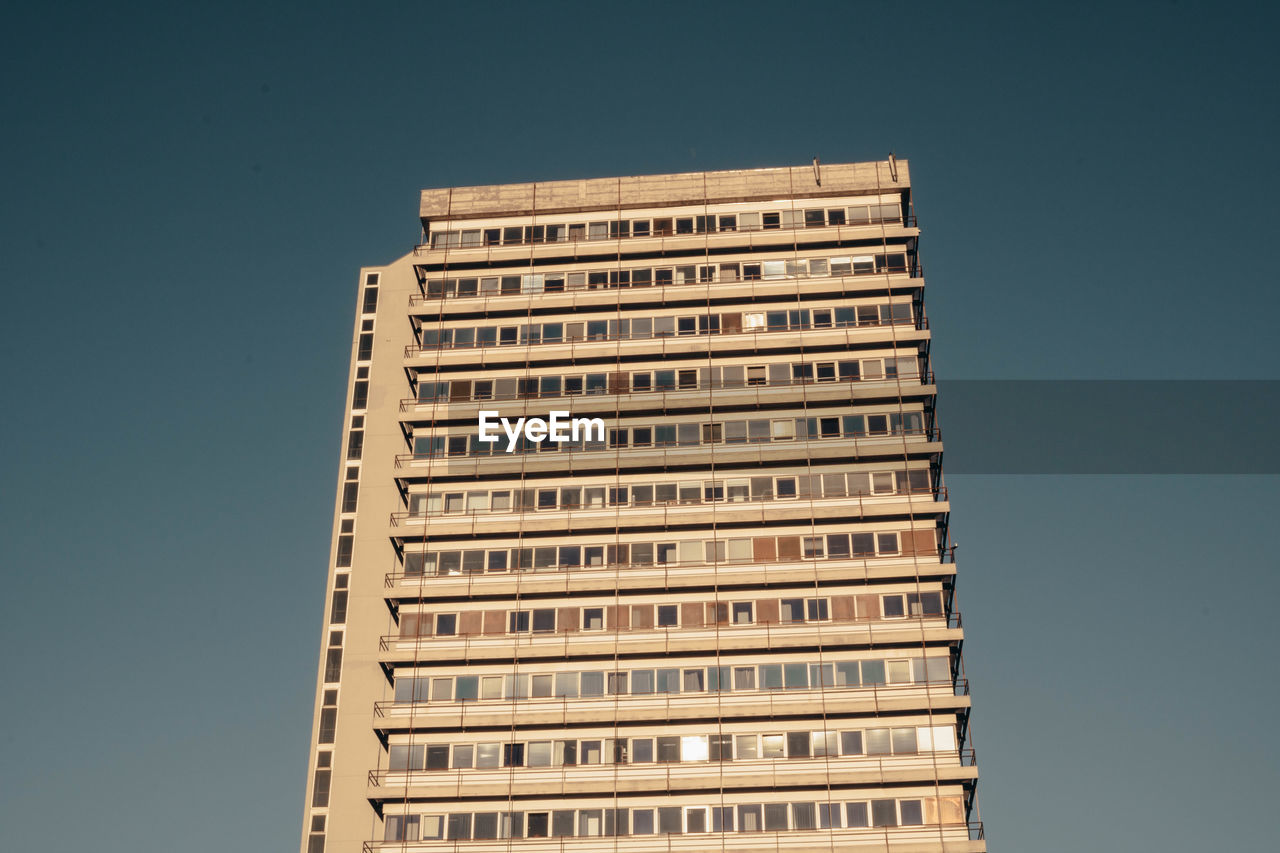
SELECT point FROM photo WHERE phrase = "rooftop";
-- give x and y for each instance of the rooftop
(734, 185)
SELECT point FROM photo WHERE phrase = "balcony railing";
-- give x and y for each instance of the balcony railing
(929, 434)
(764, 635)
(705, 569)
(915, 271)
(660, 774)
(672, 510)
(650, 233)
(667, 703)
(912, 379)
(785, 841)
(416, 350)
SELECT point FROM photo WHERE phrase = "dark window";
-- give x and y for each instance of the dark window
(486, 825)
(333, 665)
(370, 300)
(925, 603)
(320, 790)
(349, 493)
(851, 743)
(792, 610)
(544, 620)
(328, 724)
(338, 613)
(458, 826)
(884, 813)
(438, 757)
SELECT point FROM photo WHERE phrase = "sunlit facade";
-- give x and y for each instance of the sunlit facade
(728, 622)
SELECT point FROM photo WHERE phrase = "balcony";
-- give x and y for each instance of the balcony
(394, 649)
(606, 348)
(944, 838)
(691, 293)
(666, 516)
(917, 443)
(756, 238)
(666, 577)
(726, 398)
(928, 768)
(706, 706)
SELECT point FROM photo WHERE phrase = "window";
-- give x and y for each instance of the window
(593, 619)
(791, 610)
(668, 615)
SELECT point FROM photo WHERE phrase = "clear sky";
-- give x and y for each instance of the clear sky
(188, 192)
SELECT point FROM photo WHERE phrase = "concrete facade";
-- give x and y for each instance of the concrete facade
(728, 623)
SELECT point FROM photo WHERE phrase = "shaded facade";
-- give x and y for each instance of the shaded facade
(727, 620)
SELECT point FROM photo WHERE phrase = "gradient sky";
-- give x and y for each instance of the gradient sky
(189, 190)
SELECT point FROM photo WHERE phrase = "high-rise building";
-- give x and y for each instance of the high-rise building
(709, 606)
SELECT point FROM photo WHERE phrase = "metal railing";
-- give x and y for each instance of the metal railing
(928, 434)
(661, 703)
(882, 500)
(908, 220)
(914, 379)
(415, 350)
(392, 579)
(760, 841)
(661, 773)
(418, 299)
(617, 637)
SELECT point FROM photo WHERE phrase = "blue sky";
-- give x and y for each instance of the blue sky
(188, 192)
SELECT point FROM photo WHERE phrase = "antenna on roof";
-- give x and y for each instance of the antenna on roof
(817, 172)
(893, 166)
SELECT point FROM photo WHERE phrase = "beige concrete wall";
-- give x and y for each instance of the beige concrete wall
(719, 187)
